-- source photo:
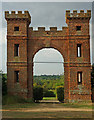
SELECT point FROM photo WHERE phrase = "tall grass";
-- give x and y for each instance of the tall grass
(7, 99)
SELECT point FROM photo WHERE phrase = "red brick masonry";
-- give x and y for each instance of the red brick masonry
(65, 41)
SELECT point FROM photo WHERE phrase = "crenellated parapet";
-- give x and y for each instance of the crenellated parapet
(76, 15)
(18, 16)
(52, 29)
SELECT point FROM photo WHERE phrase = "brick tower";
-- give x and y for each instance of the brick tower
(73, 42)
(79, 55)
(17, 38)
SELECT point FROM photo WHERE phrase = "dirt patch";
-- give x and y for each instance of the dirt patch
(48, 110)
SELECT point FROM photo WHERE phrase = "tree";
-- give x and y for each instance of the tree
(4, 84)
(92, 76)
(92, 83)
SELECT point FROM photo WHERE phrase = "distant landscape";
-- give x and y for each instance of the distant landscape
(48, 82)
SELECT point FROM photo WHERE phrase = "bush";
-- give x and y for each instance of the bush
(60, 93)
(37, 93)
(4, 84)
(48, 93)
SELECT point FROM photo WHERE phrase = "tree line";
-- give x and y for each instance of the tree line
(49, 82)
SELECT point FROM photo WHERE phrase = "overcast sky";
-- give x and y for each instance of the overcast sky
(47, 15)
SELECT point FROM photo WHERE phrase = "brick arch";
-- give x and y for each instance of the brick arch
(37, 50)
(63, 50)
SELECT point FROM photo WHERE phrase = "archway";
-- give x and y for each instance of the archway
(48, 71)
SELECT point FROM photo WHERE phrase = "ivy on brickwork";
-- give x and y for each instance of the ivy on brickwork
(92, 76)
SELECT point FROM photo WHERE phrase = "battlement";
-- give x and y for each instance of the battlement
(78, 15)
(19, 15)
(52, 29)
(42, 31)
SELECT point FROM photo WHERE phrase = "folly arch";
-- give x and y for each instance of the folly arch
(73, 42)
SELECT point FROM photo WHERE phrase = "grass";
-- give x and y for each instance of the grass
(64, 114)
(39, 105)
(16, 102)
(77, 105)
(46, 114)
(7, 100)
(19, 105)
(49, 98)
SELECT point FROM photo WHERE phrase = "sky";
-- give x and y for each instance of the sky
(47, 14)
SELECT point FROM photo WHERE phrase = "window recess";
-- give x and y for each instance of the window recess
(16, 28)
(79, 77)
(16, 76)
(78, 50)
(16, 50)
(78, 28)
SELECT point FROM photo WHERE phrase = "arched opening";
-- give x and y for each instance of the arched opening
(48, 71)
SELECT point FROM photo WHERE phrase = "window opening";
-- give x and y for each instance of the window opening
(79, 76)
(78, 50)
(16, 28)
(78, 28)
(16, 50)
(16, 76)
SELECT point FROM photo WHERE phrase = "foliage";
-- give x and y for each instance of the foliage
(48, 93)
(4, 84)
(49, 98)
(92, 83)
(92, 77)
(60, 93)
(37, 93)
(49, 81)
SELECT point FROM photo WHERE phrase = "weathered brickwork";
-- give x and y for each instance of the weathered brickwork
(65, 41)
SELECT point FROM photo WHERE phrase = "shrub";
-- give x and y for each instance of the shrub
(60, 93)
(37, 93)
(4, 84)
(48, 93)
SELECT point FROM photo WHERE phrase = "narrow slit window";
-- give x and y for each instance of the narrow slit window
(78, 28)
(16, 50)
(78, 50)
(16, 28)
(79, 77)
(16, 76)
